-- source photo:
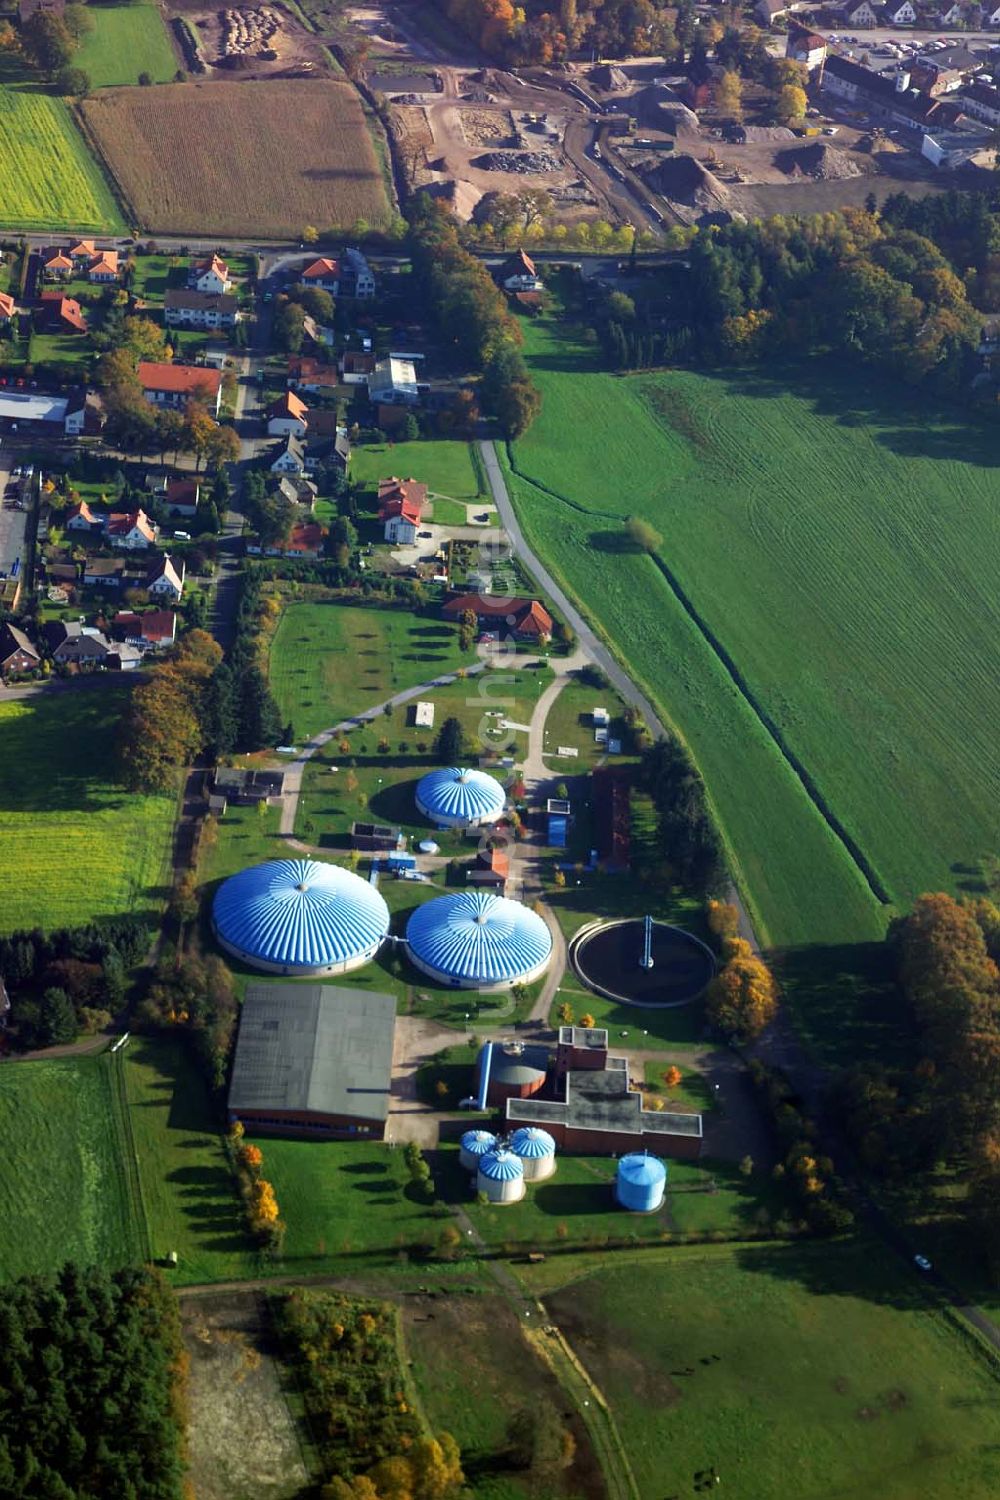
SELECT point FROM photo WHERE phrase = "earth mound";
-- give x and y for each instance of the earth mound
(822, 162)
(685, 180)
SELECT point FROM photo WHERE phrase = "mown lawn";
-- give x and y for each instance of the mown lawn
(329, 661)
(806, 1370)
(76, 844)
(448, 468)
(187, 1187)
(65, 1193)
(126, 40)
(48, 178)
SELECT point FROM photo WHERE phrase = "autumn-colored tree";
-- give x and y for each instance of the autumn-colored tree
(672, 1076)
(741, 999)
(729, 95)
(723, 919)
(199, 430)
(263, 1204)
(468, 629)
(587, 1020)
(251, 1156)
(566, 1013)
(222, 446)
(790, 103)
(310, 234)
(643, 536)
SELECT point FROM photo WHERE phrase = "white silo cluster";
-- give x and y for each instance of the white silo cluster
(502, 1168)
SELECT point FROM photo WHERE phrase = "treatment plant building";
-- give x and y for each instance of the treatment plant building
(473, 939)
(460, 797)
(312, 1060)
(300, 917)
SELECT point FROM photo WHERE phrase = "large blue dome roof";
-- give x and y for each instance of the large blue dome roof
(501, 1166)
(476, 936)
(298, 913)
(460, 794)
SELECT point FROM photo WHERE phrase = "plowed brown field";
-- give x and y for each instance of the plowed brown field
(260, 158)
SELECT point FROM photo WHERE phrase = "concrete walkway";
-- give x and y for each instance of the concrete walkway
(294, 770)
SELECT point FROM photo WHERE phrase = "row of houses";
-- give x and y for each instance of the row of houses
(867, 14)
(88, 648)
(164, 579)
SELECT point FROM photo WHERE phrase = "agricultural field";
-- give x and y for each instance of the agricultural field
(192, 158)
(65, 1190)
(330, 661)
(126, 40)
(813, 1370)
(76, 845)
(839, 547)
(48, 178)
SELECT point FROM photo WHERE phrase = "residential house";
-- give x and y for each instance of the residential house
(104, 572)
(899, 15)
(991, 17)
(176, 385)
(81, 253)
(861, 13)
(325, 337)
(290, 458)
(131, 529)
(210, 275)
(524, 619)
(950, 16)
(183, 308)
(981, 101)
(306, 540)
(61, 314)
(328, 452)
(61, 575)
(295, 491)
(104, 267)
(324, 422)
(56, 265)
(518, 274)
(323, 273)
(85, 415)
(82, 518)
(356, 366)
(8, 307)
(17, 654)
(949, 149)
(806, 47)
(307, 374)
(165, 580)
(181, 495)
(287, 417)
(356, 278)
(401, 504)
(393, 382)
(885, 96)
(123, 657)
(71, 644)
(152, 631)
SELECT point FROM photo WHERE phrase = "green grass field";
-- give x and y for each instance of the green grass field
(448, 468)
(76, 845)
(65, 1193)
(330, 661)
(817, 1371)
(838, 541)
(126, 40)
(187, 1188)
(48, 179)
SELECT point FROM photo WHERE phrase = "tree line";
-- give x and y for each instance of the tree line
(686, 835)
(62, 982)
(939, 1103)
(541, 32)
(859, 284)
(92, 1372)
(472, 314)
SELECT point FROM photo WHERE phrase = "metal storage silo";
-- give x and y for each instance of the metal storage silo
(473, 1146)
(500, 1176)
(537, 1151)
(641, 1182)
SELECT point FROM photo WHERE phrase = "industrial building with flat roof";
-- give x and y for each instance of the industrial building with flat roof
(313, 1060)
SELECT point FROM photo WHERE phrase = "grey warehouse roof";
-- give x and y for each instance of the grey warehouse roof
(601, 1101)
(315, 1048)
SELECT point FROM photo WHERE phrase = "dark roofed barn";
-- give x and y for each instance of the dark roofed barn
(313, 1061)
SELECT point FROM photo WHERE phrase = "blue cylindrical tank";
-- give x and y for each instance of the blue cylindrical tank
(537, 1151)
(500, 1176)
(641, 1182)
(475, 1144)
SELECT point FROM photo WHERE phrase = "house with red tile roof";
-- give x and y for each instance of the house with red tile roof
(57, 263)
(8, 307)
(131, 528)
(288, 416)
(324, 273)
(153, 630)
(103, 267)
(524, 619)
(401, 504)
(307, 374)
(63, 314)
(211, 275)
(81, 518)
(176, 385)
